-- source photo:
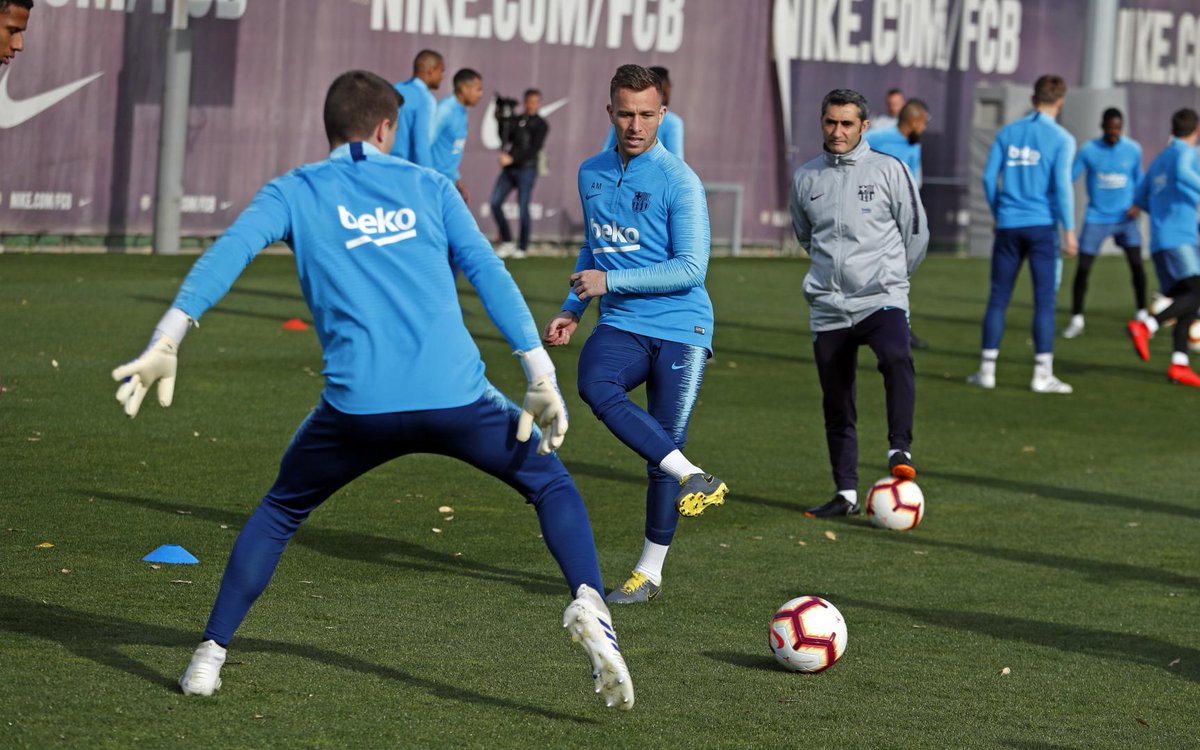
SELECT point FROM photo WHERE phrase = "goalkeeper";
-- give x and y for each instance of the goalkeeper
(374, 238)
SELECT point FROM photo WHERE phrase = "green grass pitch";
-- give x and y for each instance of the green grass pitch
(1060, 540)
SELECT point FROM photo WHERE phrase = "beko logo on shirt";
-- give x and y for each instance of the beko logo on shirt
(617, 239)
(1023, 156)
(395, 226)
(1111, 180)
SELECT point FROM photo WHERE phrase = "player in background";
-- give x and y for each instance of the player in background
(645, 258)
(450, 126)
(903, 141)
(374, 237)
(859, 215)
(14, 18)
(1169, 192)
(414, 131)
(1028, 184)
(1114, 166)
(670, 130)
(893, 102)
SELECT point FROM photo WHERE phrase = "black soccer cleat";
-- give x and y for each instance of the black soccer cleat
(838, 506)
(900, 466)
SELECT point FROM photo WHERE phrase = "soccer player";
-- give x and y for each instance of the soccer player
(1169, 191)
(858, 213)
(414, 131)
(645, 258)
(1114, 165)
(450, 126)
(670, 130)
(14, 18)
(374, 237)
(1027, 179)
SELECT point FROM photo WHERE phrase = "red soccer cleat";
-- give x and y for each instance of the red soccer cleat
(1183, 375)
(1140, 334)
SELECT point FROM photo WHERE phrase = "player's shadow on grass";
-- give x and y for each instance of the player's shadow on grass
(1069, 494)
(1098, 571)
(745, 661)
(106, 639)
(226, 309)
(368, 548)
(1138, 648)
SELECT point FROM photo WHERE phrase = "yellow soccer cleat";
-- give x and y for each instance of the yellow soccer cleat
(637, 589)
(697, 492)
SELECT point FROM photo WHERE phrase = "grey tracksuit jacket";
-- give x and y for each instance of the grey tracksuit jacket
(860, 218)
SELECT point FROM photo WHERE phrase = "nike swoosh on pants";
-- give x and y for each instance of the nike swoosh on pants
(13, 112)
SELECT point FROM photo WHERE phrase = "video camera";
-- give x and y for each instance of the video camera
(506, 116)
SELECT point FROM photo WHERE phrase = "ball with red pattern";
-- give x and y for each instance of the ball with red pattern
(895, 504)
(807, 634)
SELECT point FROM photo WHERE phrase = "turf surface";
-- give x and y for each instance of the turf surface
(1060, 540)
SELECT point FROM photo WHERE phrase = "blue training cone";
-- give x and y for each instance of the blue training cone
(171, 553)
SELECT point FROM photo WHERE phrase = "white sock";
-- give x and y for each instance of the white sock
(987, 361)
(851, 495)
(894, 451)
(1179, 358)
(678, 466)
(1151, 323)
(1043, 365)
(651, 564)
(1143, 315)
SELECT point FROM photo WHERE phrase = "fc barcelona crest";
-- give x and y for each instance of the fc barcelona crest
(866, 192)
(641, 201)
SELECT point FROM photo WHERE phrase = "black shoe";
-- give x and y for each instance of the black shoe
(917, 342)
(900, 466)
(838, 506)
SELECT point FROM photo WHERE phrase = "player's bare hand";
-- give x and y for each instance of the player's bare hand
(1071, 245)
(505, 159)
(1133, 212)
(589, 283)
(559, 329)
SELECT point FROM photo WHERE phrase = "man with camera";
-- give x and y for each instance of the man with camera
(522, 136)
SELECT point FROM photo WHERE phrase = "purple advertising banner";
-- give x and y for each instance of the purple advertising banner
(79, 108)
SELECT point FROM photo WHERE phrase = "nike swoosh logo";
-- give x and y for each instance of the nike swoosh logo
(13, 112)
(677, 367)
(814, 197)
(590, 196)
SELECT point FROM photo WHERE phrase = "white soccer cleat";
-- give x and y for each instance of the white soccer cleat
(589, 622)
(982, 379)
(1074, 328)
(506, 249)
(203, 675)
(1049, 384)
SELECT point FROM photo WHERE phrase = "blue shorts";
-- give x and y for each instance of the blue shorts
(1125, 234)
(1174, 264)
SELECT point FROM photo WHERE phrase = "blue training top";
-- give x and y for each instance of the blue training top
(647, 228)
(1113, 171)
(414, 130)
(449, 136)
(1028, 174)
(670, 134)
(891, 141)
(1169, 192)
(374, 237)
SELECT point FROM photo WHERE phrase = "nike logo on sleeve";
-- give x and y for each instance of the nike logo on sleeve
(814, 197)
(13, 112)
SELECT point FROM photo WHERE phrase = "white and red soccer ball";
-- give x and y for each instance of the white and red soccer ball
(895, 504)
(807, 634)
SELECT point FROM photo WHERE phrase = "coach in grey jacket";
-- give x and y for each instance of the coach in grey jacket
(859, 215)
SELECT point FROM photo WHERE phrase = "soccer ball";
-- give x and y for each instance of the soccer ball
(807, 635)
(1194, 336)
(895, 504)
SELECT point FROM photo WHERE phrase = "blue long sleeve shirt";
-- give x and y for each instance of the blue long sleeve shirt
(647, 228)
(1028, 174)
(374, 237)
(1113, 171)
(449, 136)
(414, 130)
(891, 141)
(1169, 192)
(670, 134)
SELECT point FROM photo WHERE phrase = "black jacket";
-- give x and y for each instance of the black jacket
(528, 135)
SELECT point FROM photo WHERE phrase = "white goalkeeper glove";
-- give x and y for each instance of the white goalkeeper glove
(543, 402)
(156, 364)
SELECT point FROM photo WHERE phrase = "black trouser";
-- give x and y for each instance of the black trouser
(1185, 299)
(886, 332)
(1137, 275)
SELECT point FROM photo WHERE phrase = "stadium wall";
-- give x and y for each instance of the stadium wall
(79, 109)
